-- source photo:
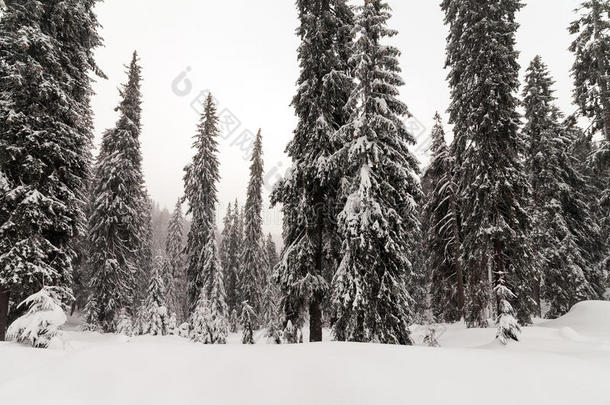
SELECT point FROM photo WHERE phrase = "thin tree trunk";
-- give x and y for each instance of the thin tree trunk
(456, 257)
(315, 321)
(4, 295)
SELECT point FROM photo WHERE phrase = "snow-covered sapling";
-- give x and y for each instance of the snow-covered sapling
(508, 328)
(290, 334)
(247, 321)
(40, 325)
(124, 324)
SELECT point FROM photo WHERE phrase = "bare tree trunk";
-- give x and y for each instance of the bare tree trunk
(458, 266)
(4, 295)
(315, 321)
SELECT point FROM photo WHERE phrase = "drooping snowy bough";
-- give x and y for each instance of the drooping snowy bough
(39, 327)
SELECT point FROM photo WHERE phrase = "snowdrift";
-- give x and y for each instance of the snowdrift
(546, 367)
(589, 317)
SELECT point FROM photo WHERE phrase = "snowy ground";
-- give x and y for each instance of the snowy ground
(566, 361)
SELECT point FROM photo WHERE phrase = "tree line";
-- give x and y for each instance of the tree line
(507, 222)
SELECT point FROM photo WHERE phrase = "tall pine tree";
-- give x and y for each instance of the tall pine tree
(442, 235)
(493, 186)
(200, 180)
(591, 72)
(117, 225)
(560, 210)
(309, 192)
(252, 263)
(379, 223)
(174, 249)
(45, 140)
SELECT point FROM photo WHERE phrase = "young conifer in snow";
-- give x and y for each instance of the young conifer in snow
(492, 181)
(232, 255)
(308, 194)
(39, 326)
(271, 257)
(117, 226)
(508, 327)
(174, 249)
(124, 324)
(155, 316)
(560, 212)
(247, 320)
(200, 180)
(252, 263)
(379, 222)
(47, 56)
(442, 240)
(210, 319)
(225, 243)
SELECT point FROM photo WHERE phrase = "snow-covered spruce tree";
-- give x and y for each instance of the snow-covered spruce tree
(200, 180)
(270, 313)
(591, 72)
(442, 234)
(117, 226)
(209, 321)
(308, 194)
(247, 320)
(492, 180)
(271, 254)
(39, 326)
(560, 210)
(124, 324)
(145, 254)
(230, 247)
(251, 273)
(155, 311)
(174, 249)
(225, 241)
(45, 139)
(508, 327)
(379, 223)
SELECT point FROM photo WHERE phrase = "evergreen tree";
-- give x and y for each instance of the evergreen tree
(225, 242)
(247, 320)
(271, 256)
(117, 234)
(252, 263)
(46, 126)
(379, 223)
(493, 187)
(560, 212)
(155, 317)
(591, 70)
(591, 73)
(271, 294)
(200, 180)
(230, 255)
(40, 325)
(309, 193)
(210, 318)
(145, 252)
(442, 241)
(174, 249)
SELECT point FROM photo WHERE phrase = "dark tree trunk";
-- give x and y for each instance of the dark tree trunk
(4, 295)
(315, 321)
(537, 297)
(461, 295)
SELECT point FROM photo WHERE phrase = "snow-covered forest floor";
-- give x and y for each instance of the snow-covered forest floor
(565, 361)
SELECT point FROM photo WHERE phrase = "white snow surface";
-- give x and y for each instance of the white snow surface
(565, 361)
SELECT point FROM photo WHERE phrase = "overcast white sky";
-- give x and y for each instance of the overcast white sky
(244, 51)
